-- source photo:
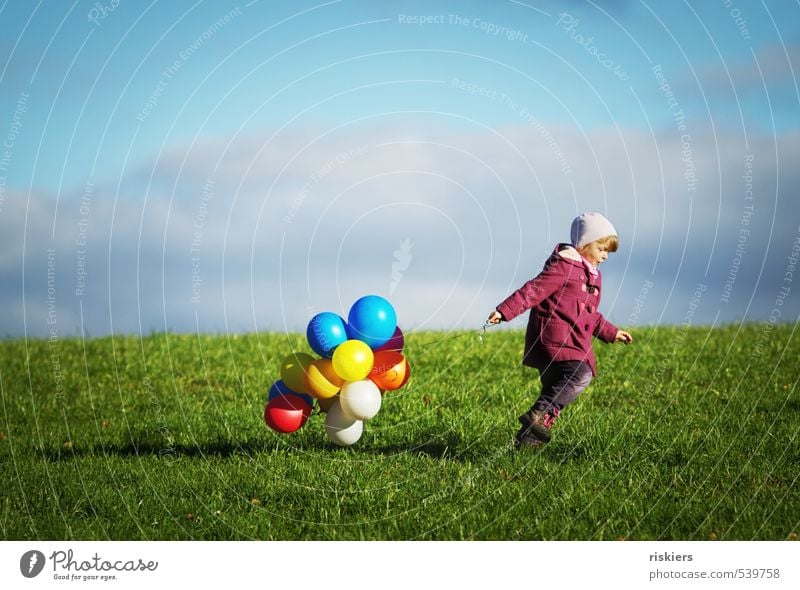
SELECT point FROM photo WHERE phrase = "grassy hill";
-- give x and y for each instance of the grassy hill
(686, 434)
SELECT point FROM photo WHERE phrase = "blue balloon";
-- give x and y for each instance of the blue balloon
(325, 332)
(372, 320)
(279, 388)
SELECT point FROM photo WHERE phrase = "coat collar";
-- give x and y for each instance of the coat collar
(569, 254)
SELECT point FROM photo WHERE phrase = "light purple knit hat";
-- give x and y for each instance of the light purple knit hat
(588, 227)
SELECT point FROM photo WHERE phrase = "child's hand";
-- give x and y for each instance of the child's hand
(623, 336)
(494, 318)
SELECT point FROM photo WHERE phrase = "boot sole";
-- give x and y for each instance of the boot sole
(532, 430)
(528, 443)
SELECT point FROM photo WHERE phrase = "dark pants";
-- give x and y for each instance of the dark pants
(562, 383)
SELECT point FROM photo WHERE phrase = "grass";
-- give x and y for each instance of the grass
(687, 434)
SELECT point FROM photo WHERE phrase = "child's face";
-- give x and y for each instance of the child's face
(594, 253)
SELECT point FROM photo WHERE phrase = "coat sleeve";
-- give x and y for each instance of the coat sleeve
(533, 292)
(603, 329)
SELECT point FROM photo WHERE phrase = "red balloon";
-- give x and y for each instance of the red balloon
(390, 370)
(396, 342)
(286, 413)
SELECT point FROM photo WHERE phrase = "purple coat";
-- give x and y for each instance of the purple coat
(563, 300)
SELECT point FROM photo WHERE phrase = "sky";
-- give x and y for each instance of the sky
(241, 166)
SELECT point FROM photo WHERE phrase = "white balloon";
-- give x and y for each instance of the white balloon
(360, 399)
(341, 428)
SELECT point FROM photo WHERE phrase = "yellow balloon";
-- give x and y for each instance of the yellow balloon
(352, 360)
(293, 368)
(320, 380)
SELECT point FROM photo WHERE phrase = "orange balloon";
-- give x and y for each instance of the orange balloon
(390, 371)
(321, 380)
(326, 403)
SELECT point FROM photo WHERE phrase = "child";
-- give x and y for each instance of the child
(563, 300)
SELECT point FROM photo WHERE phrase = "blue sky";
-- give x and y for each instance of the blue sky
(239, 166)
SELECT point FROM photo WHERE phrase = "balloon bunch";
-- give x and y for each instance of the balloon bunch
(359, 361)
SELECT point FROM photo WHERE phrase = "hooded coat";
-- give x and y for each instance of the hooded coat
(563, 300)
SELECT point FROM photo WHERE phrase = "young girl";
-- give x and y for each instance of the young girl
(563, 300)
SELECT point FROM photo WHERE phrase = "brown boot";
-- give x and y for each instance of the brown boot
(536, 424)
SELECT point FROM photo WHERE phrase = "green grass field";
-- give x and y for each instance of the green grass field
(686, 434)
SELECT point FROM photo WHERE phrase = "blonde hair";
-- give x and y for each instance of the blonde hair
(610, 243)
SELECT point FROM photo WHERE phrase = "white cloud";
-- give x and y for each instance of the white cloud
(308, 222)
(772, 65)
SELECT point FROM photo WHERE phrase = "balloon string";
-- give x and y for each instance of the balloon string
(481, 333)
